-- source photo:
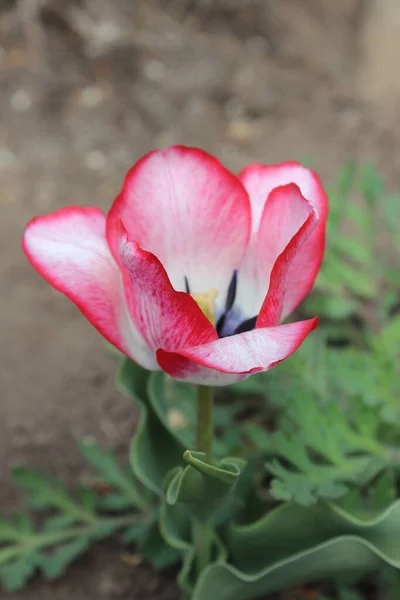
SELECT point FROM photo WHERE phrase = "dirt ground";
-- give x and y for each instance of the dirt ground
(88, 87)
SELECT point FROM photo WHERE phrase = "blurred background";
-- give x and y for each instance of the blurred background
(87, 87)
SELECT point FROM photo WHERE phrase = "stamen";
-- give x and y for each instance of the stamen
(206, 301)
(247, 325)
(187, 288)
(230, 299)
(220, 324)
(231, 295)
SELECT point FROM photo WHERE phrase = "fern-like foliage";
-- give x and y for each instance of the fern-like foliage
(359, 276)
(336, 415)
(74, 520)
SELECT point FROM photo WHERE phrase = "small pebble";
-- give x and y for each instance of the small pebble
(176, 419)
(154, 70)
(133, 560)
(7, 158)
(21, 100)
(91, 96)
(95, 160)
(241, 130)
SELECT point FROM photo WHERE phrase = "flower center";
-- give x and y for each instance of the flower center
(229, 320)
(206, 302)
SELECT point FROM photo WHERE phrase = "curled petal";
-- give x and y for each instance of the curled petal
(259, 181)
(182, 205)
(164, 317)
(280, 290)
(273, 228)
(239, 355)
(69, 249)
(183, 368)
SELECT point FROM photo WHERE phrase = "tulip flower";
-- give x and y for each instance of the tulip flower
(193, 269)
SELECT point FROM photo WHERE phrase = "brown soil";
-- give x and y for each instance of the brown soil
(86, 88)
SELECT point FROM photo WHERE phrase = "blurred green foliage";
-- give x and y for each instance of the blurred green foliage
(359, 278)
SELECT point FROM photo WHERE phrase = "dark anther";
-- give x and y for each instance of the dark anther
(187, 285)
(220, 324)
(231, 295)
(246, 325)
(230, 299)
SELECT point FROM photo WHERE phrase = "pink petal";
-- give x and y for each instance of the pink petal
(186, 369)
(165, 318)
(69, 249)
(238, 355)
(268, 241)
(303, 220)
(182, 205)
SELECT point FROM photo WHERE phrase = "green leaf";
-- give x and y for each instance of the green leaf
(115, 502)
(371, 183)
(294, 529)
(177, 530)
(154, 449)
(16, 527)
(58, 523)
(344, 556)
(154, 548)
(296, 487)
(384, 492)
(175, 524)
(174, 404)
(66, 534)
(43, 492)
(345, 179)
(293, 545)
(354, 249)
(87, 498)
(106, 463)
(104, 528)
(389, 584)
(55, 563)
(346, 593)
(258, 436)
(332, 307)
(186, 577)
(178, 409)
(135, 533)
(360, 216)
(201, 486)
(321, 453)
(16, 573)
(355, 280)
(328, 406)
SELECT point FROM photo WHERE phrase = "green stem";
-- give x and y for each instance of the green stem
(204, 439)
(202, 544)
(204, 428)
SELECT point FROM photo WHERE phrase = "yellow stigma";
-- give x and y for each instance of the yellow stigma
(206, 301)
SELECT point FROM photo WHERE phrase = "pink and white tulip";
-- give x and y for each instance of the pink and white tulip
(181, 226)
